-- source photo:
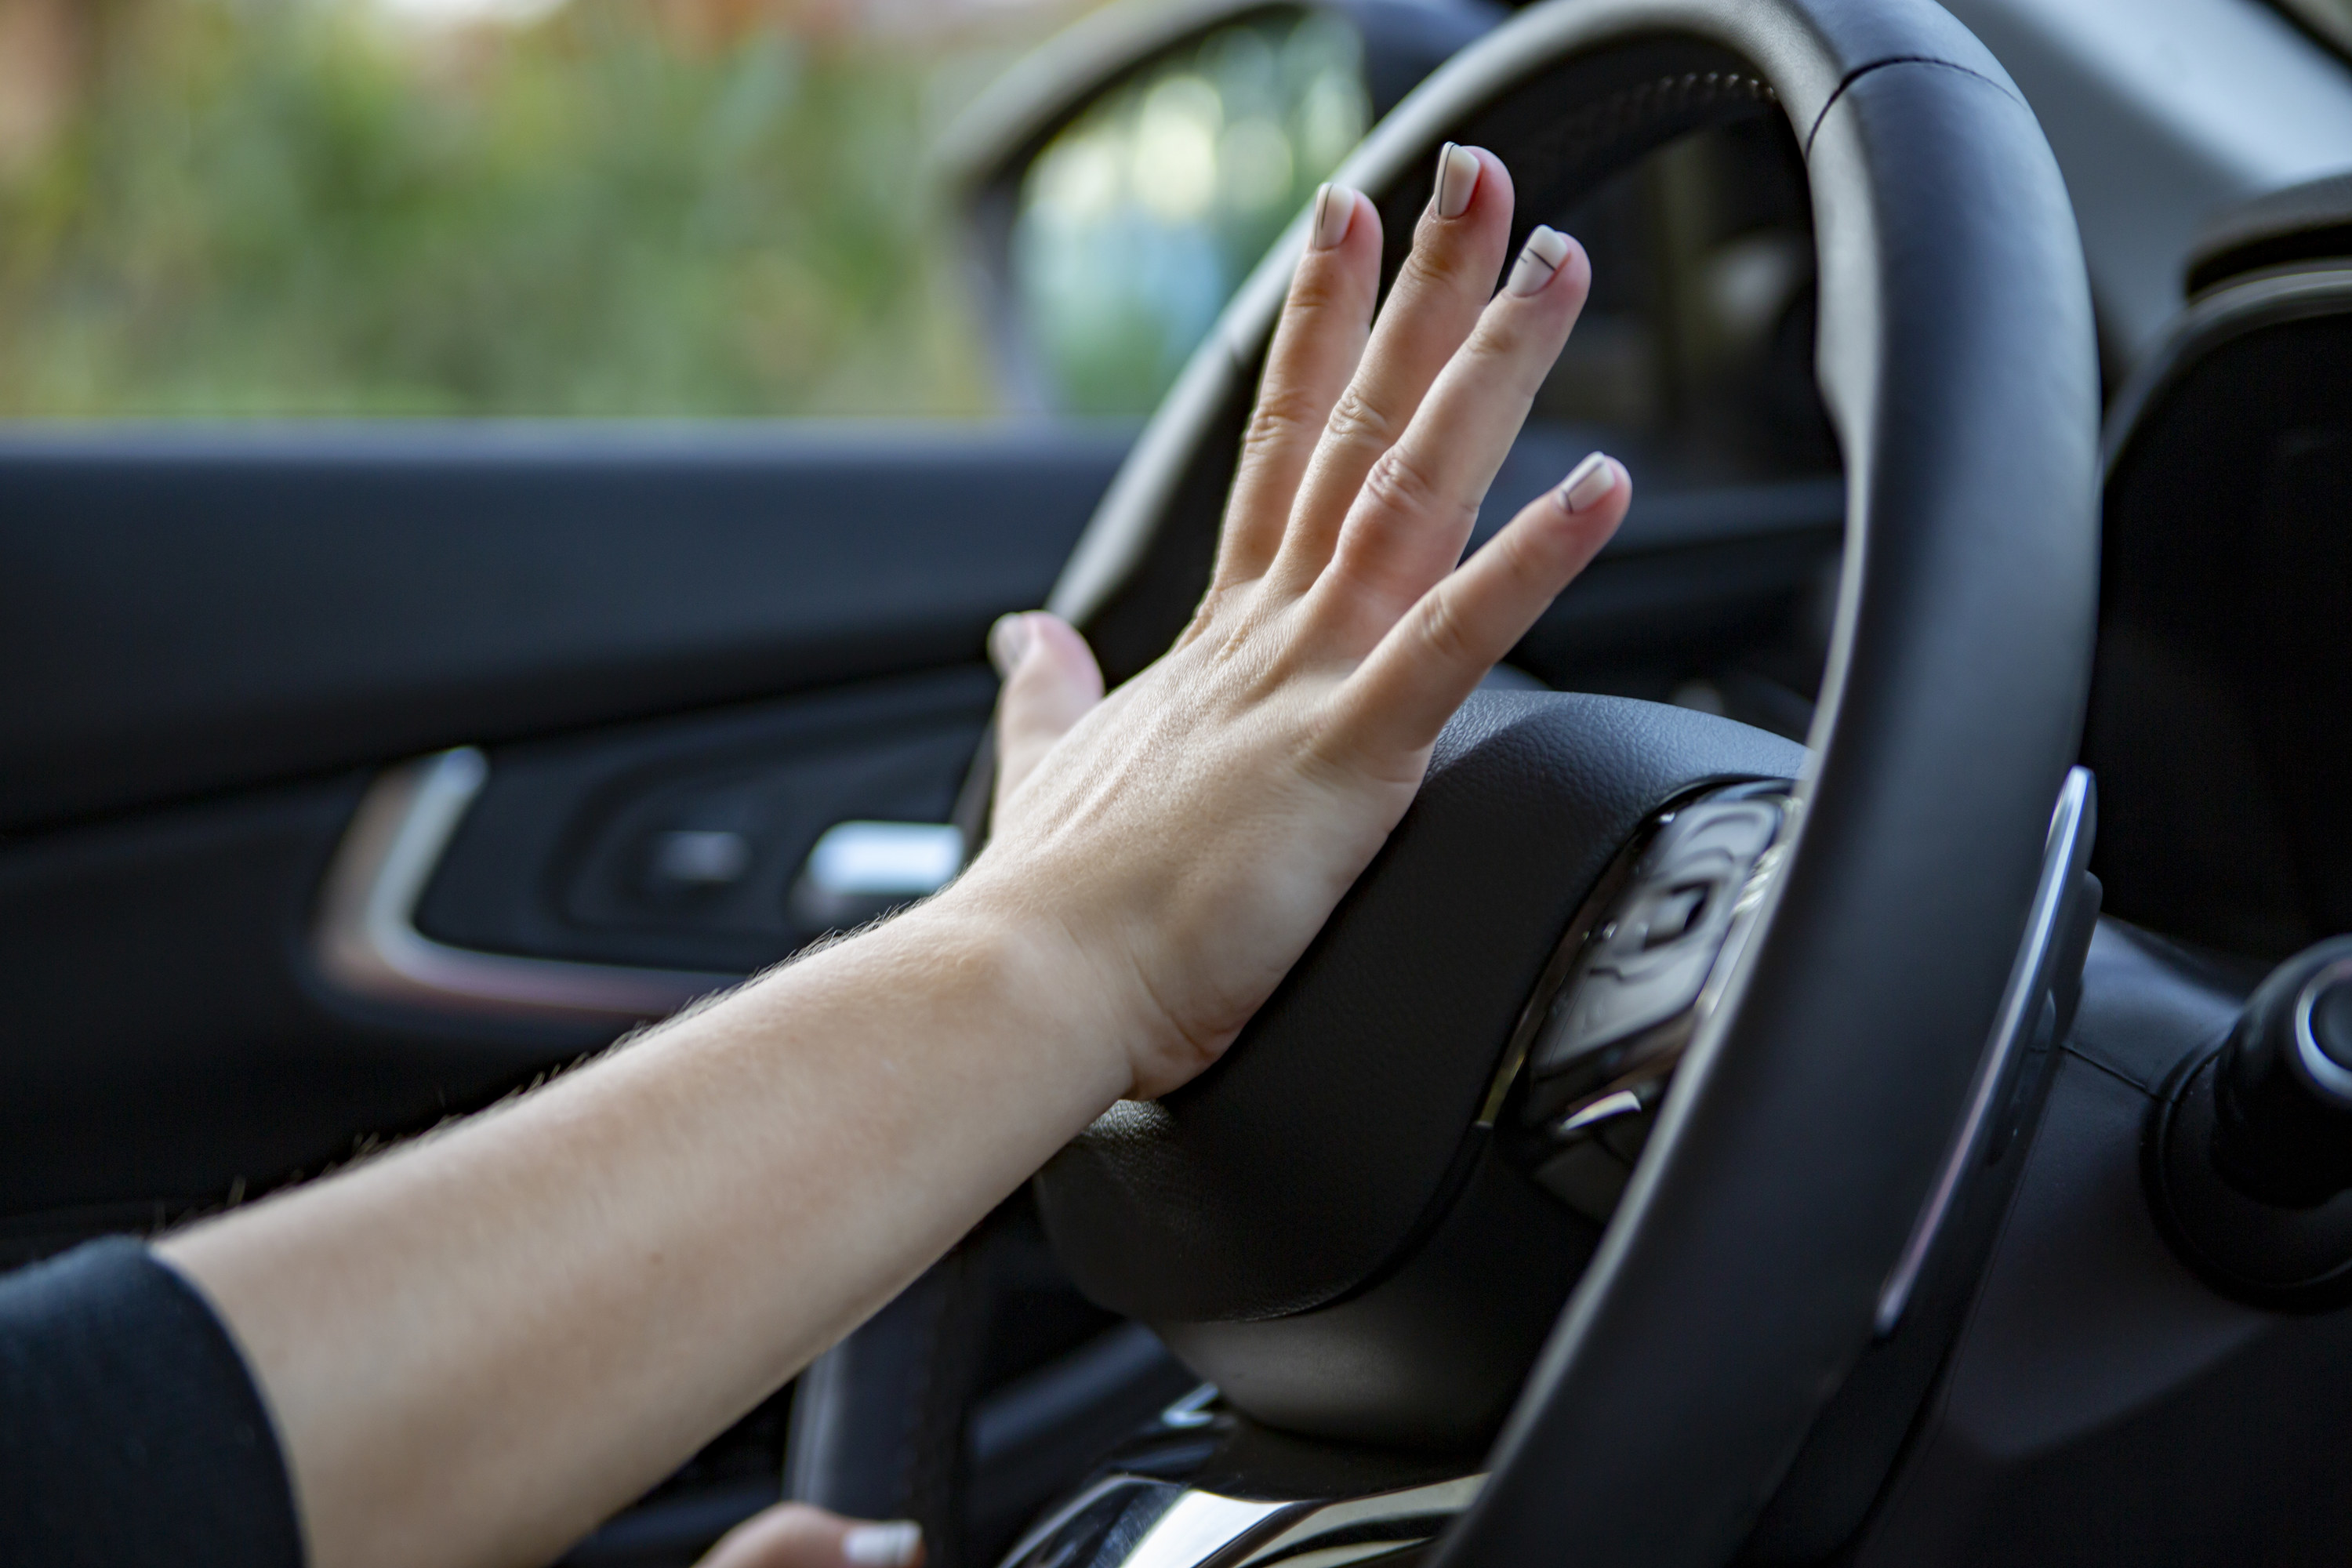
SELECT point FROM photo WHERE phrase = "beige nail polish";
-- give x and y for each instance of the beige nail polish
(1538, 261)
(1588, 483)
(892, 1545)
(1457, 177)
(1335, 211)
(1008, 643)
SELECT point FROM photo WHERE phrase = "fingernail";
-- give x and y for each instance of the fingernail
(1334, 209)
(1538, 261)
(1587, 483)
(890, 1545)
(1008, 644)
(1458, 177)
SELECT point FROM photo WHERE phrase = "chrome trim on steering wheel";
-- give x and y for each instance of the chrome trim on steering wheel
(1127, 1519)
(2063, 860)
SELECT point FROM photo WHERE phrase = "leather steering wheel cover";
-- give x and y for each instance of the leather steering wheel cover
(1310, 1159)
(1737, 1284)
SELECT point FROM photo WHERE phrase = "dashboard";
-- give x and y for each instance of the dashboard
(2217, 721)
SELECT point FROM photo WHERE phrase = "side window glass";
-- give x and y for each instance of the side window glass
(656, 207)
(1140, 217)
(462, 207)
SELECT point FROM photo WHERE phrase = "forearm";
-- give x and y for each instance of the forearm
(478, 1347)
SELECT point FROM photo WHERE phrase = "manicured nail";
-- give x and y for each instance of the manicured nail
(1587, 483)
(1458, 177)
(1538, 261)
(1334, 209)
(1008, 644)
(884, 1545)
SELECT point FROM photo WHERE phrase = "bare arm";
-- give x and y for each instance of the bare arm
(570, 1295)
(477, 1347)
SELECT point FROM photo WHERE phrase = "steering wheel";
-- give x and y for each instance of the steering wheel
(1332, 1224)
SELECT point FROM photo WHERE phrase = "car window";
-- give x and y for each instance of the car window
(457, 207)
(1143, 215)
(733, 207)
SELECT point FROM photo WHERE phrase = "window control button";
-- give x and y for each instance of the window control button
(688, 858)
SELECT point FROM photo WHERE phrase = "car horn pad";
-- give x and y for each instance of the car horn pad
(1324, 1199)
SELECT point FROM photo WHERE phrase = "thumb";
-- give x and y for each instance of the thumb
(795, 1535)
(1051, 681)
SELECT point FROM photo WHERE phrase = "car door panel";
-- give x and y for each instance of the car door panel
(163, 1037)
(211, 646)
(552, 859)
(192, 612)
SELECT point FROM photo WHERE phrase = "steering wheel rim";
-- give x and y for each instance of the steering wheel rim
(1738, 1282)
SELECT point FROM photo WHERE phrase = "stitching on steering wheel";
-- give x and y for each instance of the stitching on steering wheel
(1629, 119)
(1814, 129)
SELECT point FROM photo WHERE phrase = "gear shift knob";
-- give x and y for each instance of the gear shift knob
(2283, 1089)
(2250, 1159)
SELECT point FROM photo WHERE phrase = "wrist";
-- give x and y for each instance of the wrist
(1011, 953)
(1047, 976)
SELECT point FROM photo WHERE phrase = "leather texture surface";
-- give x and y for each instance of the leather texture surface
(1431, 1355)
(1738, 1283)
(878, 1427)
(1287, 1174)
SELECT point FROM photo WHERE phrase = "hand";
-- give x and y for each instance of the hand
(794, 1535)
(1187, 836)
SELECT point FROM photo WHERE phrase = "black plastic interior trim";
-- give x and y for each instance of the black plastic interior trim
(2305, 223)
(547, 862)
(192, 610)
(2216, 721)
(164, 1046)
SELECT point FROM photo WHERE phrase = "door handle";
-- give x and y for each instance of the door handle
(859, 871)
(366, 942)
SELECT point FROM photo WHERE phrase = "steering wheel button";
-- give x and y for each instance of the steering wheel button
(1740, 832)
(1727, 834)
(1651, 951)
(1603, 1007)
(1674, 914)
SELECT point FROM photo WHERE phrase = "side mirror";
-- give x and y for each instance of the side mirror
(1118, 184)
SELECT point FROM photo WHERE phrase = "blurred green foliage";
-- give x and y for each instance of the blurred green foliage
(281, 206)
(1145, 212)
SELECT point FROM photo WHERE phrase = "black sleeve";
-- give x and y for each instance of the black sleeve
(130, 1432)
